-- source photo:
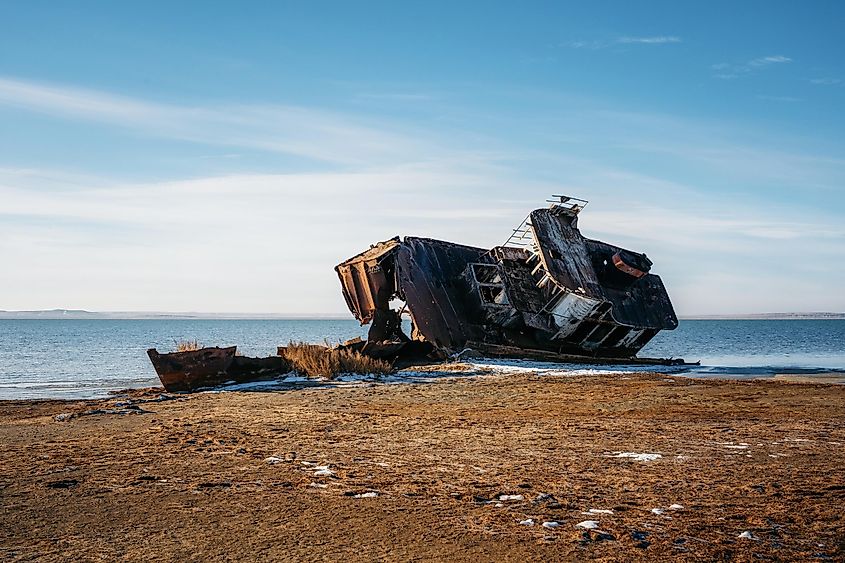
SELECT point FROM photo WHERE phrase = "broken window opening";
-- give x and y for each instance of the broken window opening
(491, 287)
(486, 273)
(493, 294)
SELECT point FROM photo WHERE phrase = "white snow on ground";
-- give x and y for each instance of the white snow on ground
(371, 494)
(512, 497)
(527, 522)
(323, 472)
(737, 447)
(598, 511)
(676, 507)
(479, 368)
(551, 524)
(657, 511)
(273, 460)
(318, 485)
(636, 456)
(747, 536)
(587, 525)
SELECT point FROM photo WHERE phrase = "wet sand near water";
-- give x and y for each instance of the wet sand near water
(506, 468)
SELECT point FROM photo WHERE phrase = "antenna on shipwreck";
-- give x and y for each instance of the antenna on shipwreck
(572, 205)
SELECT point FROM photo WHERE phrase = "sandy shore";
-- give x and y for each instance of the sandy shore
(243, 476)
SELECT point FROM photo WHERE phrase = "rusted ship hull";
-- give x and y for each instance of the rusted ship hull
(548, 288)
(209, 367)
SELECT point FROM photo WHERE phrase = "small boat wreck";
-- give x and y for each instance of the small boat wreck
(547, 293)
(209, 367)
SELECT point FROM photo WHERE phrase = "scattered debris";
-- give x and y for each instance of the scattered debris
(62, 484)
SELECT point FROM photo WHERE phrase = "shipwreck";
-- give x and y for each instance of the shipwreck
(547, 293)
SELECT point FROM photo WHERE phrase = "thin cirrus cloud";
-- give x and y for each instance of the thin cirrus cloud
(286, 129)
(732, 70)
(826, 81)
(655, 40)
(595, 44)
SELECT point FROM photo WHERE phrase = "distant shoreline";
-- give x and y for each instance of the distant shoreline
(77, 314)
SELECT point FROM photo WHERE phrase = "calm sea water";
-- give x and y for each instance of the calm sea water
(88, 358)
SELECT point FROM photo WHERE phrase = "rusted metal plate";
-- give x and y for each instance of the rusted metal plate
(430, 278)
(186, 371)
(368, 279)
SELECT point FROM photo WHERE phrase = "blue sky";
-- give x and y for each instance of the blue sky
(222, 158)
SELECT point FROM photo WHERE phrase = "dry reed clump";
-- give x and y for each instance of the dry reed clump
(188, 346)
(315, 360)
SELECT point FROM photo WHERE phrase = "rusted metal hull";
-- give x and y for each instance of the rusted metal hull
(209, 367)
(554, 291)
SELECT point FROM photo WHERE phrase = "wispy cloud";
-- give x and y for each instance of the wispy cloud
(653, 40)
(766, 61)
(286, 129)
(595, 44)
(826, 81)
(733, 70)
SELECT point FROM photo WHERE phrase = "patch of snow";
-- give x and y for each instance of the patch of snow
(551, 524)
(371, 494)
(657, 511)
(324, 472)
(499, 505)
(747, 536)
(587, 525)
(636, 456)
(738, 447)
(273, 460)
(527, 522)
(676, 507)
(318, 485)
(598, 511)
(512, 497)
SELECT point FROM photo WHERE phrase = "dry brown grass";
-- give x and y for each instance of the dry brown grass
(316, 360)
(188, 346)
